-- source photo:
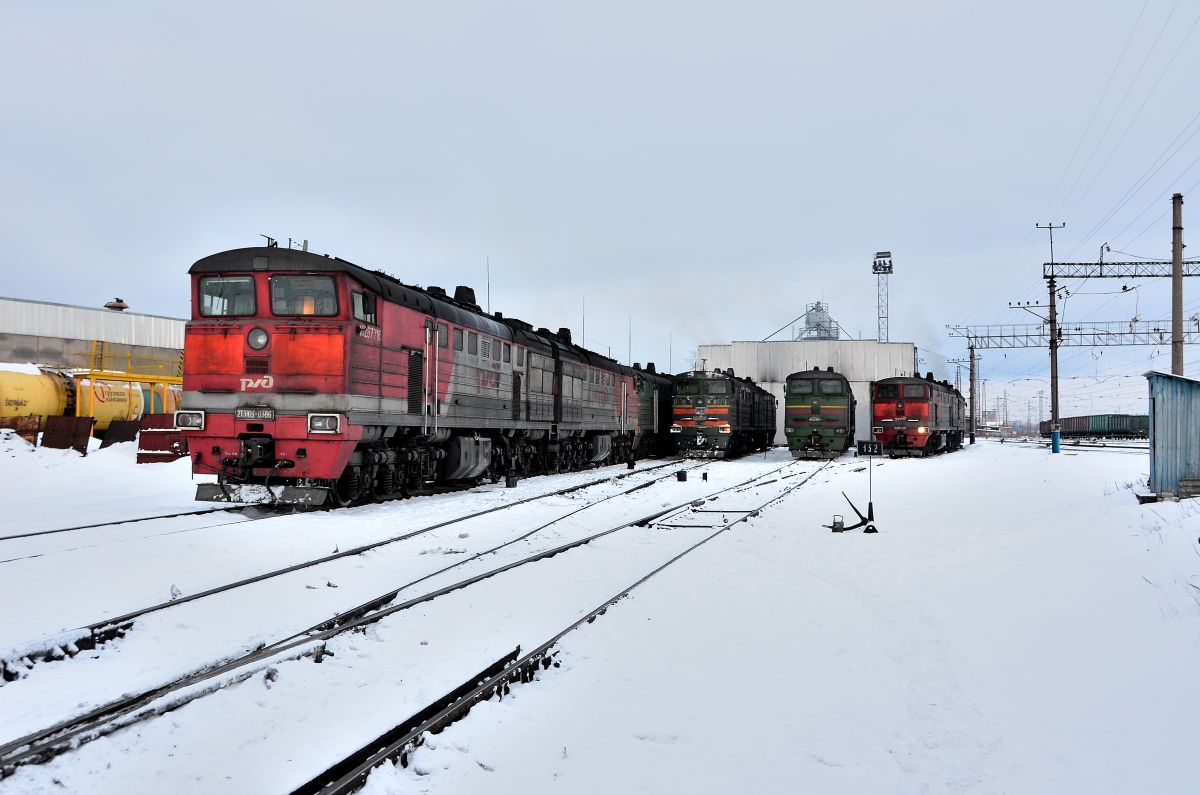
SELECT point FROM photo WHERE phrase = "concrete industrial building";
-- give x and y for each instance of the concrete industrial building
(770, 363)
(60, 335)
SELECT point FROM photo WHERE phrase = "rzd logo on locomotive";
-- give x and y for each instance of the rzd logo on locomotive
(266, 382)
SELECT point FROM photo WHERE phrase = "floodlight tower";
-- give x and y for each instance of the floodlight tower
(882, 268)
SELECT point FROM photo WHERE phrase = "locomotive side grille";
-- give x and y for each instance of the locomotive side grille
(416, 382)
(257, 365)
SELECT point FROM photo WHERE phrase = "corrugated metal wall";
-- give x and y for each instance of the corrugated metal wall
(38, 319)
(769, 363)
(1174, 431)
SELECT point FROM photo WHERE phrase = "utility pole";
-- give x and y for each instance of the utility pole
(974, 359)
(1177, 284)
(1041, 409)
(971, 382)
(1055, 433)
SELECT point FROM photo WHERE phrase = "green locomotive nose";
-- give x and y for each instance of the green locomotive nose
(818, 414)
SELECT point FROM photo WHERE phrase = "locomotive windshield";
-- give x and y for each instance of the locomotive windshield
(829, 386)
(885, 391)
(303, 296)
(687, 387)
(716, 386)
(226, 296)
(914, 391)
(802, 387)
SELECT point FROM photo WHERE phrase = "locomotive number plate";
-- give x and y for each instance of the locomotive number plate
(254, 414)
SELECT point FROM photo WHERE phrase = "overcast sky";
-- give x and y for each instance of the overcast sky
(704, 169)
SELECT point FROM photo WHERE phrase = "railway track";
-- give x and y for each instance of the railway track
(97, 633)
(117, 522)
(311, 642)
(116, 628)
(350, 773)
(269, 510)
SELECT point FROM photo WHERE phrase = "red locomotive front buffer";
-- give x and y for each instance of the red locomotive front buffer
(309, 378)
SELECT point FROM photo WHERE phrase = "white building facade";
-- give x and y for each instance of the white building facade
(770, 363)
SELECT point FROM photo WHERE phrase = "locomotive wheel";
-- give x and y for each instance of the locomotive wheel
(346, 490)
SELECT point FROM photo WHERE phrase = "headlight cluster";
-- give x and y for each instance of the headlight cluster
(676, 429)
(324, 423)
(257, 339)
(922, 429)
(189, 420)
(725, 429)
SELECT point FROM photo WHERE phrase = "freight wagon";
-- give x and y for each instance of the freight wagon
(1101, 426)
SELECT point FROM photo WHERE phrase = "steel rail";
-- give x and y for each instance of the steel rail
(350, 773)
(95, 634)
(46, 743)
(200, 512)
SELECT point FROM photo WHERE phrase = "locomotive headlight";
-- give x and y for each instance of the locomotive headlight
(323, 423)
(725, 429)
(257, 339)
(189, 420)
(676, 429)
(922, 429)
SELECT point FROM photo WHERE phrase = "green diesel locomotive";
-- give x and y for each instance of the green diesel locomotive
(717, 415)
(818, 413)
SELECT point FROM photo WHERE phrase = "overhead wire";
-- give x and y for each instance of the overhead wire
(1150, 51)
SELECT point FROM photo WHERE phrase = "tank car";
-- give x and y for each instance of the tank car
(324, 381)
(818, 413)
(54, 393)
(717, 415)
(917, 416)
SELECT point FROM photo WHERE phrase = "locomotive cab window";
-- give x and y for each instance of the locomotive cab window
(226, 296)
(364, 307)
(472, 343)
(914, 391)
(716, 387)
(443, 333)
(303, 296)
(829, 386)
(687, 387)
(458, 339)
(507, 353)
(801, 387)
(886, 391)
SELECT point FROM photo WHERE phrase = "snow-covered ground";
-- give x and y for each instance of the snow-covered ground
(1019, 624)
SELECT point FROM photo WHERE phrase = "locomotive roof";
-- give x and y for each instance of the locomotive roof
(941, 386)
(817, 372)
(723, 375)
(274, 259)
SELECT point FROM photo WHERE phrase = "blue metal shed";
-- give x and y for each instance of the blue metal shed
(1174, 435)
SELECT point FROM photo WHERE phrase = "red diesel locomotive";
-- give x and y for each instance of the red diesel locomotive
(324, 381)
(917, 416)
